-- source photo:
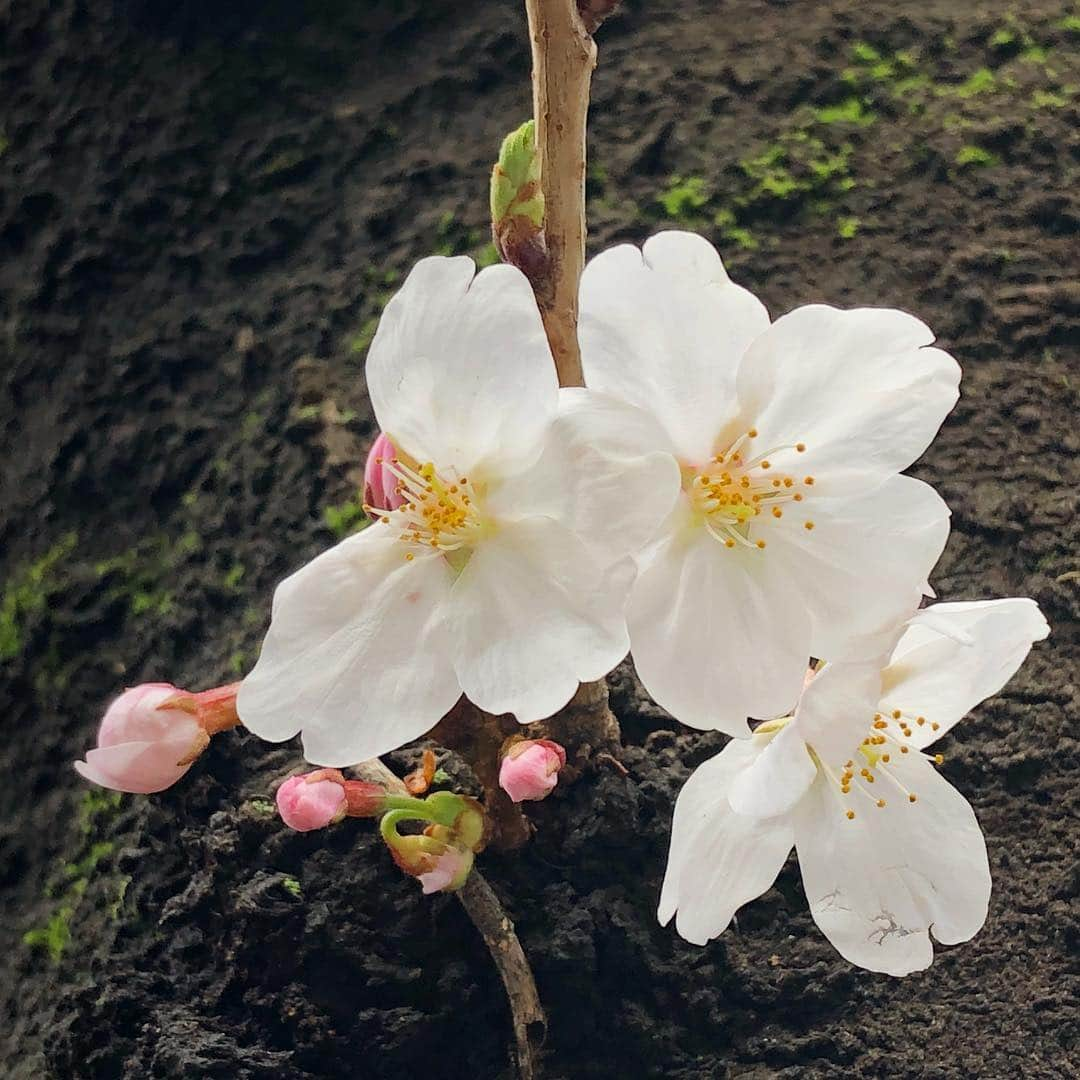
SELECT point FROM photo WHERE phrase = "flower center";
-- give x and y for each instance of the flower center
(438, 512)
(888, 738)
(740, 491)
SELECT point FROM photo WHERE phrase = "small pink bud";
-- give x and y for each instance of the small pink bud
(380, 484)
(142, 746)
(530, 769)
(448, 872)
(306, 804)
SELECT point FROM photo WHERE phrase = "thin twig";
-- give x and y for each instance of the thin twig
(487, 915)
(563, 55)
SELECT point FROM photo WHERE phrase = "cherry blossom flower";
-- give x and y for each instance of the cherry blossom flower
(888, 850)
(794, 534)
(530, 769)
(495, 577)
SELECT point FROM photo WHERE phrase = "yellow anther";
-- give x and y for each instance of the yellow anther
(881, 803)
(788, 482)
(808, 481)
(939, 759)
(729, 542)
(896, 714)
(800, 446)
(912, 797)
(777, 512)
(766, 464)
(761, 544)
(752, 433)
(797, 497)
(808, 525)
(885, 758)
(851, 815)
(935, 725)
(903, 749)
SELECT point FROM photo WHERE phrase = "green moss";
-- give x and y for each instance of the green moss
(847, 227)
(1034, 54)
(1047, 99)
(683, 197)
(1002, 38)
(982, 81)
(1071, 23)
(850, 111)
(233, 576)
(26, 594)
(55, 936)
(975, 157)
(238, 662)
(347, 518)
(865, 53)
(96, 812)
(139, 576)
(261, 807)
(291, 885)
(366, 335)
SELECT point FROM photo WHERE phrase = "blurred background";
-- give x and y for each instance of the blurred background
(203, 209)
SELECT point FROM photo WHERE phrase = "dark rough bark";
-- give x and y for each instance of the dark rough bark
(201, 210)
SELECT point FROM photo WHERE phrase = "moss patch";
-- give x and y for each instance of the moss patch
(26, 594)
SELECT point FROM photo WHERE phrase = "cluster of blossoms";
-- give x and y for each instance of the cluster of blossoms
(726, 502)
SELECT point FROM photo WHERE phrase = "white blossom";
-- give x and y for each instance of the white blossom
(888, 849)
(496, 576)
(793, 534)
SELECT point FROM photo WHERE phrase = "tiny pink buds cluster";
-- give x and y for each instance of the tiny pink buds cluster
(380, 482)
(151, 734)
(440, 857)
(530, 769)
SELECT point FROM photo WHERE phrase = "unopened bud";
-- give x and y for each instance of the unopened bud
(323, 797)
(306, 804)
(145, 742)
(380, 483)
(517, 205)
(530, 769)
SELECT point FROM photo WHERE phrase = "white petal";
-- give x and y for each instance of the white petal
(861, 567)
(879, 883)
(604, 473)
(460, 372)
(531, 616)
(715, 633)
(356, 655)
(719, 860)
(664, 328)
(858, 388)
(777, 780)
(837, 708)
(940, 677)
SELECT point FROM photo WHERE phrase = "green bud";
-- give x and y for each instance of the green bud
(515, 180)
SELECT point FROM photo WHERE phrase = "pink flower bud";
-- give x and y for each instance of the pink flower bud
(143, 747)
(306, 804)
(530, 769)
(380, 484)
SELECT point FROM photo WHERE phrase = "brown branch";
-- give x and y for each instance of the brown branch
(564, 55)
(494, 925)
